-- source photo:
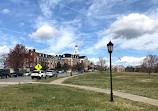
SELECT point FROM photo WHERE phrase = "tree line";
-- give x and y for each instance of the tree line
(148, 65)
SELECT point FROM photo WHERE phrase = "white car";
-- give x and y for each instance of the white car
(27, 73)
(89, 70)
(69, 71)
(51, 73)
(38, 74)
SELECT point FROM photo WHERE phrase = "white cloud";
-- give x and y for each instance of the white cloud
(144, 42)
(29, 47)
(45, 52)
(79, 43)
(133, 61)
(4, 50)
(44, 32)
(102, 42)
(5, 11)
(66, 39)
(133, 26)
(135, 31)
(95, 60)
(97, 9)
(47, 6)
(42, 21)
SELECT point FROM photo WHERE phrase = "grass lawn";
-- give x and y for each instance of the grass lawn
(49, 79)
(130, 82)
(37, 97)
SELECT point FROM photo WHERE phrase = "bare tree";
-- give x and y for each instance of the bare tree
(17, 56)
(66, 67)
(2, 60)
(91, 65)
(101, 64)
(149, 63)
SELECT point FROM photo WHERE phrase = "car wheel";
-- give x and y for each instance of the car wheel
(39, 77)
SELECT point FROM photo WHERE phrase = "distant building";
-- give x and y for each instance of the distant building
(118, 68)
(73, 59)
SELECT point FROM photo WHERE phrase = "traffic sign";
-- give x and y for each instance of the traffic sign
(38, 67)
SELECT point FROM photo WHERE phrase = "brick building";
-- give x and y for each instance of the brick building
(118, 68)
(50, 61)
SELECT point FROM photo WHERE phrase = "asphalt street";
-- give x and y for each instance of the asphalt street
(25, 79)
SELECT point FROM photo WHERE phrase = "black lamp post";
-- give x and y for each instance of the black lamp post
(110, 48)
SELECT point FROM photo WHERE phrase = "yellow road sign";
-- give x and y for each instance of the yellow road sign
(38, 66)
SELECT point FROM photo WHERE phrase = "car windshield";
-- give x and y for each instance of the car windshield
(49, 71)
(35, 71)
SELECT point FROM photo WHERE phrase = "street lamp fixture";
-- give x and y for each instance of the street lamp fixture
(110, 48)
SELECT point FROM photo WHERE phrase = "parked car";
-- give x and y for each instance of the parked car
(80, 71)
(69, 71)
(85, 70)
(61, 71)
(51, 73)
(4, 73)
(16, 74)
(90, 70)
(38, 74)
(27, 74)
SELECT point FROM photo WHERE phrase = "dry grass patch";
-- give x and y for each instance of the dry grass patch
(146, 80)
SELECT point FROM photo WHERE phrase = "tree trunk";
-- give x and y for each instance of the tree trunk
(149, 75)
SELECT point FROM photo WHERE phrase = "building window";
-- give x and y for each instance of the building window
(34, 59)
(31, 65)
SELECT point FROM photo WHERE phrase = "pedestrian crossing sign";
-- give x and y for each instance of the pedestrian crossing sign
(38, 67)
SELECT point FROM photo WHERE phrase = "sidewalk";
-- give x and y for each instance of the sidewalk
(116, 93)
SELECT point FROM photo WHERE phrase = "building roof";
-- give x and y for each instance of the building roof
(67, 55)
(82, 56)
(48, 56)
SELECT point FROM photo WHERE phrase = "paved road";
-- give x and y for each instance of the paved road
(10, 81)
(26, 79)
(17, 79)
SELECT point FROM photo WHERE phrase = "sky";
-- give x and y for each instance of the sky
(56, 26)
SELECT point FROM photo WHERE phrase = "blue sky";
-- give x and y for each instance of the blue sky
(56, 26)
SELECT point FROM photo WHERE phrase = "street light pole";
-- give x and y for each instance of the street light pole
(111, 79)
(110, 48)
